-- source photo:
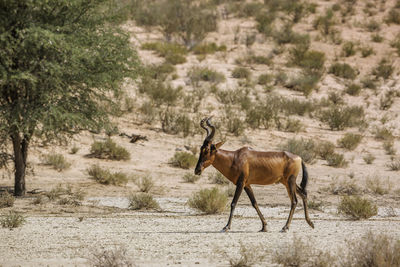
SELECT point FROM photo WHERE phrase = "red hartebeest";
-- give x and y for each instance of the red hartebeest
(246, 166)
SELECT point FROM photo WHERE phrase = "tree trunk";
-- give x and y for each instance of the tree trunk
(20, 155)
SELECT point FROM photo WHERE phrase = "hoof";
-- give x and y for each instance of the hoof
(284, 229)
(225, 229)
(311, 224)
(264, 229)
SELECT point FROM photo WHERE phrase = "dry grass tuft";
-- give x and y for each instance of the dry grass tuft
(116, 257)
(57, 161)
(209, 201)
(104, 176)
(140, 201)
(6, 200)
(109, 150)
(12, 220)
(357, 208)
(145, 183)
(184, 160)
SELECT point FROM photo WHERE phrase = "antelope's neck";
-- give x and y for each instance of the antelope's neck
(223, 162)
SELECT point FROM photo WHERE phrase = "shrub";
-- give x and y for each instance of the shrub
(366, 51)
(343, 187)
(303, 148)
(348, 49)
(357, 207)
(110, 258)
(393, 17)
(190, 178)
(208, 48)
(253, 59)
(6, 200)
(343, 70)
(160, 93)
(324, 23)
(384, 69)
(145, 183)
(373, 25)
(12, 220)
(291, 125)
(315, 205)
(173, 53)
(376, 38)
(324, 149)
(58, 191)
(241, 73)
(339, 117)
(209, 201)
(396, 43)
(249, 255)
(374, 250)
(369, 158)
(353, 89)
(387, 100)
(375, 185)
(234, 124)
(394, 165)
(139, 201)
(104, 176)
(296, 106)
(184, 160)
(109, 150)
(388, 146)
(368, 83)
(264, 22)
(175, 123)
(264, 79)
(383, 133)
(304, 83)
(74, 149)
(300, 253)
(197, 74)
(336, 160)
(350, 141)
(218, 178)
(57, 161)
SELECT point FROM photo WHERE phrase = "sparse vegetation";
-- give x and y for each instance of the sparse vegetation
(350, 141)
(12, 220)
(241, 73)
(336, 160)
(249, 255)
(139, 201)
(340, 117)
(104, 176)
(343, 70)
(394, 164)
(109, 150)
(197, 74)
(384, 69)
(209, 201)
(184, 160)
(57, 161)
(301, 147)
(145, 183)
(375, 185)
(343, 187)
(357, 208)
(217, 178)
(190, 178)
(6, 200)
(325, 149)
(353, 89)
(110, 258)
(369, 158)
(388, 146)
(348, 49)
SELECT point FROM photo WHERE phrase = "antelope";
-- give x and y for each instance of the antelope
(246, 166)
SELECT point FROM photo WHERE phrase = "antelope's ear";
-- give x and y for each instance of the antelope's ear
(218, 145)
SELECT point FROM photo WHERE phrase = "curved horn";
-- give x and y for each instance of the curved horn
(211, 136)
(202, 126)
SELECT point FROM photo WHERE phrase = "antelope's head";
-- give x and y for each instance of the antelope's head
(208, 149)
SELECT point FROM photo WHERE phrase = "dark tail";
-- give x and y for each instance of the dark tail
(304, 181)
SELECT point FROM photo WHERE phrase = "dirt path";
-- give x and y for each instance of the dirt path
(176, 237)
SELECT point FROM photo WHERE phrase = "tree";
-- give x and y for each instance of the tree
(61, 65)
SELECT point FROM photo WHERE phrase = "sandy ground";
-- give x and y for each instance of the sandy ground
(177, 236)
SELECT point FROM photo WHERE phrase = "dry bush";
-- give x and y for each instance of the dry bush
(145, 183)
(377, 38)
(241, 73)
(350, 141)
(208, 48)
(324, 149)
(190, 178)
(357, 208)
(343, 70)
(74, 149)
(230, 191)
(348, 49)
(139, 201)
(384, 69)
(375, 185)
(109, 150)
(57, 161)
(341, 117)
(173, 122)
(104, 176)
(217, 178)
(65, 196)
(304, 82)
(325, 22)
(249, 255)
(388, 146)
(369, 158)
(301, 147)
(6, 200)
(300, 253)
(373, 250)
(383, 133)
(315, 204)
(353, 89)
(12, 220)
(209, 201)
(343, 187)
(394, 164)
(116, 257)
(184, 160)
(197, 74)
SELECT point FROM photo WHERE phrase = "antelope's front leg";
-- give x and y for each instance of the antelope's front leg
(238, 191)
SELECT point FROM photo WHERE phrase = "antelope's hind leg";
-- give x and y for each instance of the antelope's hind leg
(250, 194)
(303, 196)
(291, 189)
